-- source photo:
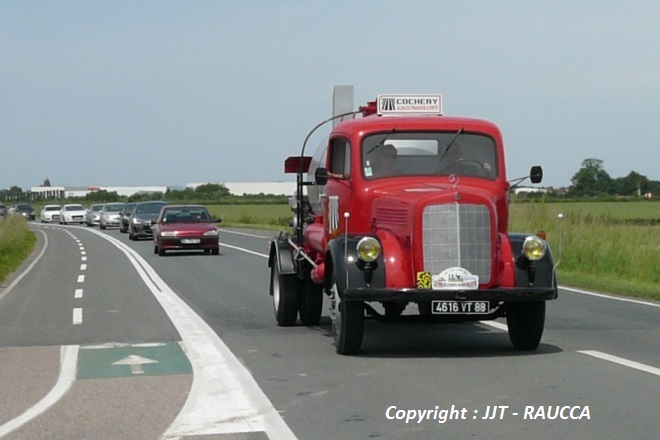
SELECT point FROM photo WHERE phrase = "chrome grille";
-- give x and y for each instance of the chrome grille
(457, 235)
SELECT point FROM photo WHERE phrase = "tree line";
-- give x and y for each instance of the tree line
(590, 181)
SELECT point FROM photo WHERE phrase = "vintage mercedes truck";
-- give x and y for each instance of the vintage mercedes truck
(401, 214)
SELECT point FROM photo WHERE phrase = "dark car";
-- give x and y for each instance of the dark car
(3, 210)
(141, 217)
(125, 216)
(185, 227)
(26, 211)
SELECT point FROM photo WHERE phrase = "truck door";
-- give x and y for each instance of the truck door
(338, 190)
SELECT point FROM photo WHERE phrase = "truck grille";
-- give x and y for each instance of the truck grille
(457, 235)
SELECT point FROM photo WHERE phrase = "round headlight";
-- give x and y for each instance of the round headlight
(534, 248)
(368, 249)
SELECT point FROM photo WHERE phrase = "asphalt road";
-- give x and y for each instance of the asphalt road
(186, 346)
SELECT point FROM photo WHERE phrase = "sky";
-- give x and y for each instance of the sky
(141, 93)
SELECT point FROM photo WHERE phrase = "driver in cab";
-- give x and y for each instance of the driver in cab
(457, 161)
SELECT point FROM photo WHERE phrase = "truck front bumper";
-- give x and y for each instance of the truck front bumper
(510, 294)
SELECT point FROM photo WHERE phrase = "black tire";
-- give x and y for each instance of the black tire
(101, 226)
(215, 251)
(161, 252)
(525, 321)
(284, 293)
(347, 322)
(155, 249)
(310, 302)
(130, 235)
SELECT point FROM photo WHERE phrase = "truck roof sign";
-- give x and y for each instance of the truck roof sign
(409, 104)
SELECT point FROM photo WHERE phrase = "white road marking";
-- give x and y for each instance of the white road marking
(247, 251)
(83, 267)
(495, 324)
(224, 397)
(616, 298)
(78, 294)
(83, 253)
(77, 316)
(83, 258)
(621, 361)
(28, 269)
(224, 231)
(68, 366)
(81, 278)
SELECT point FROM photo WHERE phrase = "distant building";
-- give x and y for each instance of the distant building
(65, 192)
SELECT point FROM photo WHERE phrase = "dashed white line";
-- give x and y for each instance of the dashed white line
(83, 258)
(78, 294)
(77, 316)
(81, 278)
(83, 267)
(621, 361)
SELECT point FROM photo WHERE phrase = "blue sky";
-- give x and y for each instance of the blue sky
(96, 93)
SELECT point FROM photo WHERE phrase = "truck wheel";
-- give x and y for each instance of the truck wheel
(285, 301)
(347, 322)
(525, 321)
(310, 302)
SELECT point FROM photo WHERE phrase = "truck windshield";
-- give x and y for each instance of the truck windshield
(423, 154)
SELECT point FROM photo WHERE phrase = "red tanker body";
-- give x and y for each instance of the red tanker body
(406, 206)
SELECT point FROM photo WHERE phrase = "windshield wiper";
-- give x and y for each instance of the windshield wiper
(381, 143)
(458, 133)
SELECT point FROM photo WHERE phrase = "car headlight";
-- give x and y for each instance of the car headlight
(169, 233)
(212, 233)
(534, 248)
(136, 221)
(368, 249)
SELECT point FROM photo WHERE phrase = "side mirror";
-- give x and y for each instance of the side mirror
(321, 176)
(218, 220)
(536, 174)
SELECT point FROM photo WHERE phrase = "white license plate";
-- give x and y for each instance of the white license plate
(460, 307)
(190, 241)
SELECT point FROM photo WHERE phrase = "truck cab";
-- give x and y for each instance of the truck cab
(406, 217)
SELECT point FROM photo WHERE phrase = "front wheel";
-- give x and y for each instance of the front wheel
(347, 322)
(525, 321)
(285, 301)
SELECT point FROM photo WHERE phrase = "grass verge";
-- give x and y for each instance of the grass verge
(16, 243)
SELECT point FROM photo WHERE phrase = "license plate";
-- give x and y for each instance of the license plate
(190, 241)
(460, 307)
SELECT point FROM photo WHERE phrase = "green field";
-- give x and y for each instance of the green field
(604, 246)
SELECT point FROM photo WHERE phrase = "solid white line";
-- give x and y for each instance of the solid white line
(247, 251)
(68, 366)
(224, 231)
(81, 278)
(224, 397)
(617, 298)
(78, 294)
(621, 361)
(77, 316)
(28, 269)
(495, 324)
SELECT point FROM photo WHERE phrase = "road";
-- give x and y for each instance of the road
(103, 339)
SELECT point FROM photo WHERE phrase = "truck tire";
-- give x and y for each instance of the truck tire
(525, 321)
(310, 302)
(347, 322)
(285, 298)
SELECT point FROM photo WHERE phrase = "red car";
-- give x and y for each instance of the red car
(185, 227)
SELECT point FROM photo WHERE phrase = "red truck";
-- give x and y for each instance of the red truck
(403, 214)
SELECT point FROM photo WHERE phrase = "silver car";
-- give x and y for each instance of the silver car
(94, 215)
(110, 215)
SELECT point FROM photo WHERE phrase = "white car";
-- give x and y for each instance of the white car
(50, 213)
(73, 213)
